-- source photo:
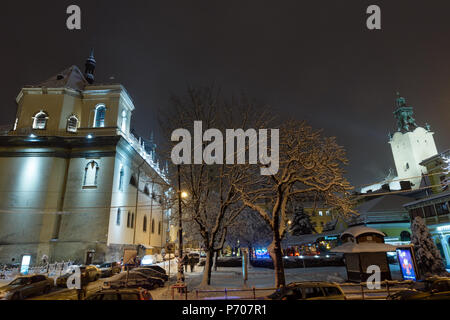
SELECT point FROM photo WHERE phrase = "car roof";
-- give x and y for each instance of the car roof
(313, 283)
(31, 275)
(125, 290)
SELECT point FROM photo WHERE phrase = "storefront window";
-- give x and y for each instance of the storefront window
(429, 211)
(442, 208)
(416, 212)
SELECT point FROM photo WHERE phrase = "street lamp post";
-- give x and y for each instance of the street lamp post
(180, 275)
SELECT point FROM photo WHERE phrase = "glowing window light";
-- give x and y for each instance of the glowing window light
(443, 228)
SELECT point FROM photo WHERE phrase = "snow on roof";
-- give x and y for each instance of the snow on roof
(71, 78)
(430, 198)
(386, 203)
(359, 230)
(351, 247)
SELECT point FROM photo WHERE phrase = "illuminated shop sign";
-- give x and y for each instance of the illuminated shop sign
(25, 264)
(261, 253)
(331, 238)
(406, 264)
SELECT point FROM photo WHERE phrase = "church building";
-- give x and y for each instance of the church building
(76, 184)
(410, 144)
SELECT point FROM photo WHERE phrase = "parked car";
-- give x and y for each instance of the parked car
(156, 268)
(132, 279)
(26, 286)
(309, 291)
(152, 273)
(121, 294)
(108, 269)
(434, 288)
(91, 273)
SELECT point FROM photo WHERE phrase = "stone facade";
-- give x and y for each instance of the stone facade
(67, 169)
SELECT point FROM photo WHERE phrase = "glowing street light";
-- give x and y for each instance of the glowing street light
(184, 194)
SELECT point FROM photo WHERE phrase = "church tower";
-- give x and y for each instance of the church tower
(411, 144)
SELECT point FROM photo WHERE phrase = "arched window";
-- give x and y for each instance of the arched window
(133, 181)
(118, 217)
(146, 190)
(99, 119)
(123, 125)
(145, 224)
(72, 124)
(405, 236)
(91, 174)
(121, 175)
(40, 120)
(153, 226)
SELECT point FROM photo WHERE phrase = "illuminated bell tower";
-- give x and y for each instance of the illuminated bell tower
(411, 144)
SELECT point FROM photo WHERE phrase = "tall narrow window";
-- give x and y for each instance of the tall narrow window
(153, 226)
(40, 121)
(133, 181)
(91, 174)
(123, 125)
(99, 120)
(121, 175)
(132, 220)
(145, 224)
(128, 219)
(159, 228)
(72, 124)
(118, 217)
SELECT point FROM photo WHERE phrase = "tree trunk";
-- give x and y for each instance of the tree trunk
(277, 258)
(206, 281)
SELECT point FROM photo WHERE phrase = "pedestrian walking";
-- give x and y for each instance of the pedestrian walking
(185, 262)
(192, 262)
(84, 281)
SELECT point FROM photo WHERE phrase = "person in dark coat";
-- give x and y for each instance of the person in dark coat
(185, 262)
(84, 281)
(192, 262)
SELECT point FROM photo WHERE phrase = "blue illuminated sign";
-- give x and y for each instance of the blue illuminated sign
(406, 264)
(262, 253)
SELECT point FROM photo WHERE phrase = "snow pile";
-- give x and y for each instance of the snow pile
(335, 277)
(427, 254)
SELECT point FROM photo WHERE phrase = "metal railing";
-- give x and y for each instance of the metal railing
(52, 270)
(363, 292)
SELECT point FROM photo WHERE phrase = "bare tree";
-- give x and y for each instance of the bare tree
(249, 230)
(213, 203)
(310, 165)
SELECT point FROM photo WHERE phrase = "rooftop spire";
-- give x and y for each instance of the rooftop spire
(404, 115)
(90, 67)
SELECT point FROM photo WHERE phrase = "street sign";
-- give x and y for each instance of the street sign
(129, 256)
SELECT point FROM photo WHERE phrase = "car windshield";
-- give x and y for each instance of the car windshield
(20, 281)
(105, 265)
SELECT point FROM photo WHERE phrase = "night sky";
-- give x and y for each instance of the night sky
(312, 60)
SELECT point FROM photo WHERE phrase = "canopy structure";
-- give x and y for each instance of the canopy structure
(360, 230)
(351, 247)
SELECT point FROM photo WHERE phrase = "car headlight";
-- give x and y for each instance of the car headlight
(4, 294)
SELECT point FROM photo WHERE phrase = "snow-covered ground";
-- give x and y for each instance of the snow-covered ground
(231, 278)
